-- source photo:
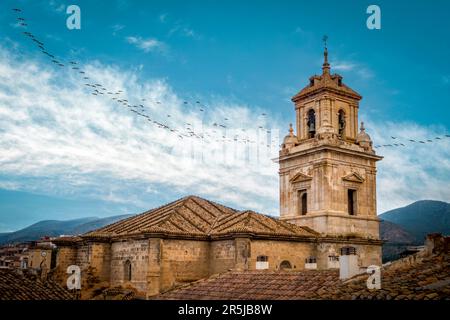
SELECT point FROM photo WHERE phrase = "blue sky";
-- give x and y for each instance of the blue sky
(59, 144)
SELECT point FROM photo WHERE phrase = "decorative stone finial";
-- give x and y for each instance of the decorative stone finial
(362, 127)
(291, 130)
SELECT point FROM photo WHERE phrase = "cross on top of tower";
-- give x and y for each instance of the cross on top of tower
(325, 38)
(326, 65)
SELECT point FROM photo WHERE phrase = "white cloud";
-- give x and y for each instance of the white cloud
(184, 31)
(116, 28)
(343, 66)
(56, 138)
(359, 69)
(147, 45)
(56, 6)
(416, 171)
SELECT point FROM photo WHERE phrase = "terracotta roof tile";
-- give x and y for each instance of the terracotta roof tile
(326, 82)
(16, 286)
(427, 279)
(196, 216)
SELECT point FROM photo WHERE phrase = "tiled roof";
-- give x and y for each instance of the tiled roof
(195, 216)
(256, 285)
(429, 279)
(16, 286)
(326, 82)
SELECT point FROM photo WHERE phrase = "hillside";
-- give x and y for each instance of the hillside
(419, 219)
(56, 228)
(394, 233)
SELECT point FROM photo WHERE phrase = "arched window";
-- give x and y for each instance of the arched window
(285, 265)
(127, 270)
(341, 123)
(311, 123)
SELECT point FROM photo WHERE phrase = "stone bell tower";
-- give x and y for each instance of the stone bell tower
(328, 170)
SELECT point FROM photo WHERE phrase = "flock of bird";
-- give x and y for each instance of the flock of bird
(397, 142)
(218, 133)
(218, 130)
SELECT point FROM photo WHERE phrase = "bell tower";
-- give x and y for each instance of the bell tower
(328, 170)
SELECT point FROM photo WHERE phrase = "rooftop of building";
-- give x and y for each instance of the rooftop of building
(424, 279)
(197, 217)
(17, 285)
(326, 82)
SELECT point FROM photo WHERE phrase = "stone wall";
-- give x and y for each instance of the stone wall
(367, 254)
(137, 253)
(222, 256)
(65, 257)
(100, 260)
(279, 251)
(187, 260)
(326, 176)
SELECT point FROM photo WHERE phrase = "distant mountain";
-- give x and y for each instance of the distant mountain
(419, 219)
(92, 225)
(409, 225)
(394, 233)
(54, 228)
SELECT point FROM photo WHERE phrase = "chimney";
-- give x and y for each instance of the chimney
(348, 263)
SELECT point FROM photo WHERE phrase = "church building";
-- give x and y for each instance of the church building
(327, 207)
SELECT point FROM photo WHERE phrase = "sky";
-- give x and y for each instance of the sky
(224, 71)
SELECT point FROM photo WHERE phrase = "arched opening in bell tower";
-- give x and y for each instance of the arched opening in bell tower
(311, 123)
(341, 123)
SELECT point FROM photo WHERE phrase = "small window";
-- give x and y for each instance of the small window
(345, 251)
(351, 202)
(262, 258)
(302, 202)
(262, 262)
(285, 265)
(311, 260)
(127, 271)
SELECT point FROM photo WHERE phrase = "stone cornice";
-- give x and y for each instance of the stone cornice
(232, 236)
(329, 214)
(326, 147)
